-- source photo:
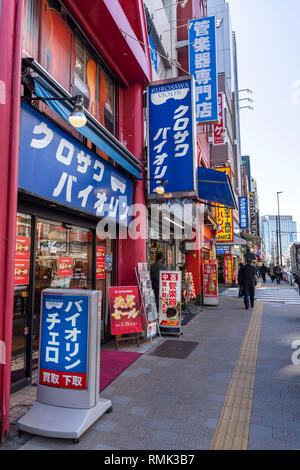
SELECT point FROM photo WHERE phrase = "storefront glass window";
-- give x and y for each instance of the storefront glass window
(63, 260)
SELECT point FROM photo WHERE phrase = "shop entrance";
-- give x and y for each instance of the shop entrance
(63, 260)
(48, 254)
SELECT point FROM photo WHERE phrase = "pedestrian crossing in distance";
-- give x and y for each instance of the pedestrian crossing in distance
(286, 295)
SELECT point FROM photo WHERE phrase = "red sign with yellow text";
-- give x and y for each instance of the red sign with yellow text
(210, 280)
(100, 262)
(219, 127)
(228, 274)
(65, 266)
(125, 313)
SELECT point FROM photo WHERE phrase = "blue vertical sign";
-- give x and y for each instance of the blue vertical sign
(243, 212)
(153, 53)
(203, 67)
(172, 149)
(64, 341)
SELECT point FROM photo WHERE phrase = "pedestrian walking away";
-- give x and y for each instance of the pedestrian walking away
(240, 287)
(263, 272)
(154, 270)
(271, 272)
(277, 272)
(297, 281)
(248, 280)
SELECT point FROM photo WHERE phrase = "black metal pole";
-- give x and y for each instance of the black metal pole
(279, 229)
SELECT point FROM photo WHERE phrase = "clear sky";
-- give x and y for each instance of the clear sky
(268, 47)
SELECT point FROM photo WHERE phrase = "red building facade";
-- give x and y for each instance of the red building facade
(98, 50)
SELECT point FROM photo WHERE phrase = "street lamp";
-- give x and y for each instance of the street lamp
(77, 118)
(159, 189)
(279, 229)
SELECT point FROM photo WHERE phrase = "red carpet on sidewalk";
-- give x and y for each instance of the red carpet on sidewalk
(113, 363)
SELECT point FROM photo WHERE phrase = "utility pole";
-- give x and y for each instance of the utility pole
(279, 229)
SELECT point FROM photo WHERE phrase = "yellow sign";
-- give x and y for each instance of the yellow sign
(224, 217)
(224, 169)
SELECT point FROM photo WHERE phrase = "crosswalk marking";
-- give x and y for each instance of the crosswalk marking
(287, 295)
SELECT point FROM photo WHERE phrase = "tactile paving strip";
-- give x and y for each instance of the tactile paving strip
(232, 431)
(175, 349)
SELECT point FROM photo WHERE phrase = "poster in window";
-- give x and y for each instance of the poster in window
(65, 266)
(21, 272)
(22, 248)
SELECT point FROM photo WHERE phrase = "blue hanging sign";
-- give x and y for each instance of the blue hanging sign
(223, 250)
(172, 148)
(54, 165)
(153, 53)
(243, 212)
(203, 67)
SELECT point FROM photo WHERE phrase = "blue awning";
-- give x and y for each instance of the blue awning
(106, 143)
(215, 186)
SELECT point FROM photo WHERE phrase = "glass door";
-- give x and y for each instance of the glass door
(21, 313)
(63, 260)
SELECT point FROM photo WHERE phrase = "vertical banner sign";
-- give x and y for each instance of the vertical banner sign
(172, 150)
(243, 212)
(153, 53)
(170, 298)
(219, 127)
(252, 213)
(125, 312)
(224, 217)
(22, 260)
(203, 67)
(64, 341)
(228, 269)
(210, 280)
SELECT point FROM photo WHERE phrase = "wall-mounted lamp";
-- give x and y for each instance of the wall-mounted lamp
(77, 118)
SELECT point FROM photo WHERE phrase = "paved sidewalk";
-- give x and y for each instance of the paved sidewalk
(167, 403)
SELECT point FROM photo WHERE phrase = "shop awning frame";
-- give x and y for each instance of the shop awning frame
(215, 186)
(47, 87)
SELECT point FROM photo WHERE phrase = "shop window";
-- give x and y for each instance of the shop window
(106, 101)
(63, 260)
(57, 50)
(63, 257)
(96, 86)
(30, 34)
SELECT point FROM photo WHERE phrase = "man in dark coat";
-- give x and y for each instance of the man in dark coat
(155, 269)
(247, 279)
(277, 272)
(263, 272)
(297, 281)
